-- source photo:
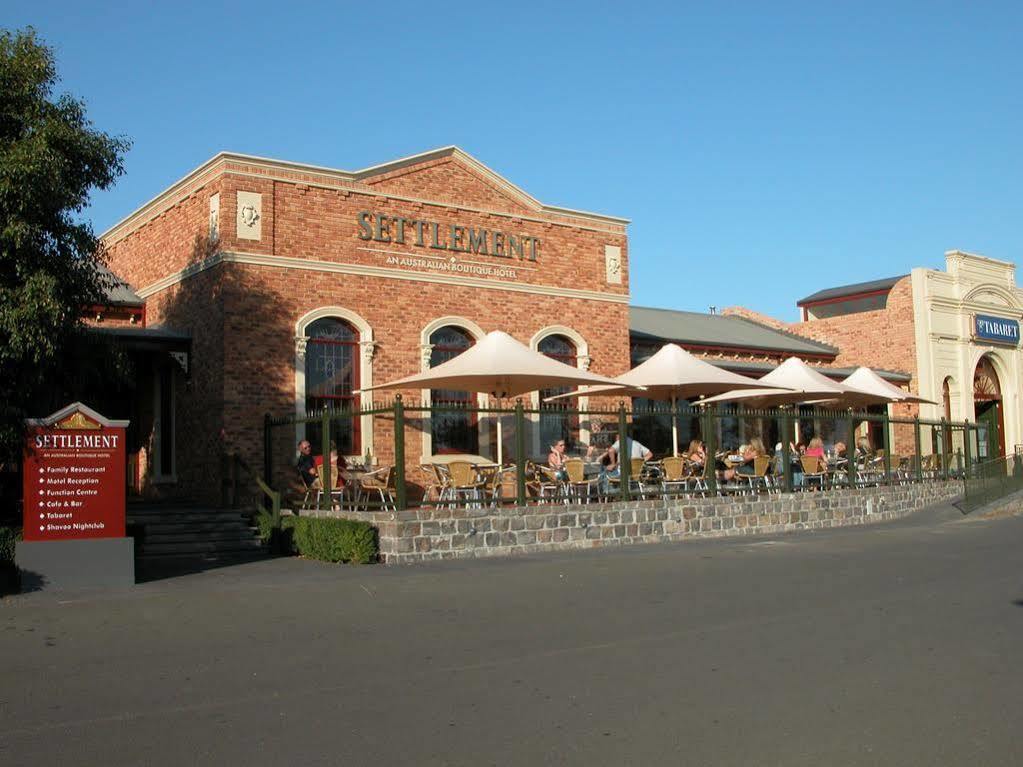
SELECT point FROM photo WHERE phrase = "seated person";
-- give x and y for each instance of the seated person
(750, 453)
(306, 464)
(816, 450)
(840, 452)
(863, 450)
(696, 454)
(635, 449)
(556, 460)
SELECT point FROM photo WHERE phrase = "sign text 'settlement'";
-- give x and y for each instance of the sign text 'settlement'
(378, 227)
(996, 329)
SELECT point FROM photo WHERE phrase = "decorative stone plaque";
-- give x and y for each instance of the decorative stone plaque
(250, 216)
(215, 216)
(613, 264)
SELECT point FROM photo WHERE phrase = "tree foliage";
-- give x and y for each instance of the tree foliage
(51, 159)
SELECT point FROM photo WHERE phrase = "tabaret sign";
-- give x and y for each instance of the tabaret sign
(995, 329)
(74, 476)
(377, 227)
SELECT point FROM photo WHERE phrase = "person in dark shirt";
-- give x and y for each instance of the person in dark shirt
(306, 464)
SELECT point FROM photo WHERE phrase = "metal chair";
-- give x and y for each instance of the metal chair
(380, 481)
(673, 474)
(577, 481)
(466, 483)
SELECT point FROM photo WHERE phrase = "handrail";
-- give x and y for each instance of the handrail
(274, 496)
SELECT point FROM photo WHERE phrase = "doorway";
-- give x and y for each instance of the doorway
(987, 400)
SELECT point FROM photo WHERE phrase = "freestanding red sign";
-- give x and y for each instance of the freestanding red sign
(74, 476)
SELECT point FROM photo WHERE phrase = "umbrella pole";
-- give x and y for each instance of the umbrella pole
(500, 440)
(674, 429)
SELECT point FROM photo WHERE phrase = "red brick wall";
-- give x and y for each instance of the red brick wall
(882, 339)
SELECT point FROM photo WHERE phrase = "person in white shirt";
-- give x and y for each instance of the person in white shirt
(612, 468)
(636, 450)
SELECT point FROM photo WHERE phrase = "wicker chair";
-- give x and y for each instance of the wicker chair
(674, 474)
(814, 469)
(381, 482)
(466, 483)
(577, 483)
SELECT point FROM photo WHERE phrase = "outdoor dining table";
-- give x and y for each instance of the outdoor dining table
(478, 461)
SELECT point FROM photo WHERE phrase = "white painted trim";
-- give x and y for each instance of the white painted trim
(167, 199)
(365, 370)
(426, 398)
(286, 262)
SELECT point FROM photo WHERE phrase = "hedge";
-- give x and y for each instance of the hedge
(325, 538)
(8, 538)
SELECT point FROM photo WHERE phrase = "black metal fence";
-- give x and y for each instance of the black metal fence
(390, 447)
(988, 481)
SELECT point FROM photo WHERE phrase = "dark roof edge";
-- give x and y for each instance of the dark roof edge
(795, 336)
(853, 289)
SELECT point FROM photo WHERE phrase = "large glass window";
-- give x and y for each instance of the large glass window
(556, 423)
(452, 431)
(331, 378)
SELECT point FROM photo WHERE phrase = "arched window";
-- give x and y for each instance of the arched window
(331, 378)
(555, 423)
(452, 431)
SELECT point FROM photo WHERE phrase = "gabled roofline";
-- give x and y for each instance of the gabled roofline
(215, 163)
(76, 407)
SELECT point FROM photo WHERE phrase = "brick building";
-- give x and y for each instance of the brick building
(955, 332)
(261, 286)
(298, 286)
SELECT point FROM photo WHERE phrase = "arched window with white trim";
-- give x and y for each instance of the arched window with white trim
(331, 379)
(333, 361)
(556, 422)
(454, 430)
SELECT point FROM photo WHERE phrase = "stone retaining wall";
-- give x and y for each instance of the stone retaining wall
(422, 534)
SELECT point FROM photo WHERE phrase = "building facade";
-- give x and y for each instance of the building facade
(301, 286)
(955, 332)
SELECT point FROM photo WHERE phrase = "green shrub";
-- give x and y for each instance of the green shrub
(8, 539)
(325, 538)
(265, 522)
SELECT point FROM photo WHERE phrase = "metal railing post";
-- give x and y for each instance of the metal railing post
(886, 429)
(710, 440)
(945, 449)
(918, 440)
(400, 499)
(325, 453)
(850, 451)
(520, 453)
(967, 469)
(624, 454)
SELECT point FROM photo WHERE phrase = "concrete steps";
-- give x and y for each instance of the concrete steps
(185, 531)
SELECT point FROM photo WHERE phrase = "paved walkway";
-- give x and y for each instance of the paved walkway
(891, 644)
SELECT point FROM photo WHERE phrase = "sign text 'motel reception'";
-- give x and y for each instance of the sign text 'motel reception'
(998, 330)
(74, 476)
(377, 227)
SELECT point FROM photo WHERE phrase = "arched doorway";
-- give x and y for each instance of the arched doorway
(987, 403)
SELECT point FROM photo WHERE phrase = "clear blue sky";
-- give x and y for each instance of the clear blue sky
(762, 150)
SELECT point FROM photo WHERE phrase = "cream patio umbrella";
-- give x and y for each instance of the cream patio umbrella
(794, 381)
(500, 366)
(672, 374)
(867, 380)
